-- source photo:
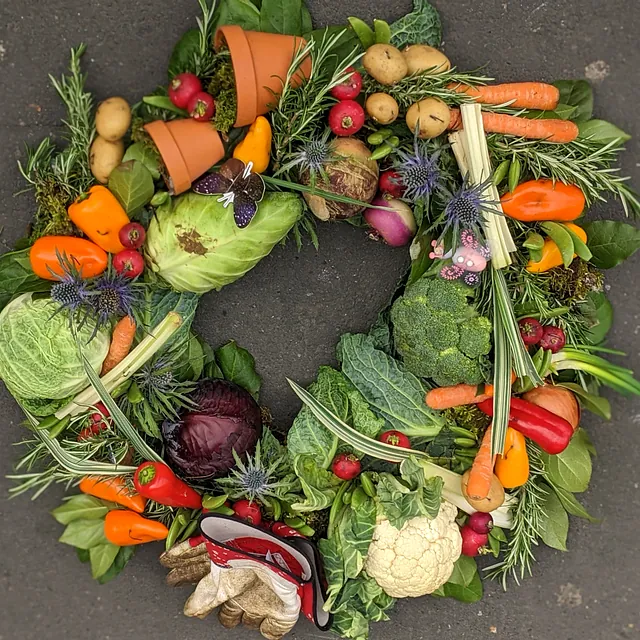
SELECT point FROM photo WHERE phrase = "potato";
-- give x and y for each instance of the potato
(420, 57)
(104, 157)
(433, 115)
(385, 63)
(493, 501)
(382, 108)
(113, 118)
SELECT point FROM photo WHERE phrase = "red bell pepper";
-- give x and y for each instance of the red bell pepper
(545, 428)
(156, 481)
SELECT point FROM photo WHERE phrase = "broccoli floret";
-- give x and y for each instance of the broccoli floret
(475, 337)
(438, 332)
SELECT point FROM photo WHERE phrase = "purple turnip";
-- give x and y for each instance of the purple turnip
(392, 220)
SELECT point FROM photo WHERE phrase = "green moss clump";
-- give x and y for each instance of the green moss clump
(222, 87)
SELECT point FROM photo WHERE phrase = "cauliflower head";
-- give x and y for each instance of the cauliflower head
(417, 559)
(439, 333)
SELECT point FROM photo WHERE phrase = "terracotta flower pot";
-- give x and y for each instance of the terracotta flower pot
(260, 64)
(188, 148)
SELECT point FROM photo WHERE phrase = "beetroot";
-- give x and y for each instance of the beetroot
(531, 331)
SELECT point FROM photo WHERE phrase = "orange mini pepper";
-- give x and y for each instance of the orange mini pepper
(551, 256)
(543, 200)
(256, 146)
(126, 528)
(113, 489)
(512, 467)
(45, 255)
(100, 216)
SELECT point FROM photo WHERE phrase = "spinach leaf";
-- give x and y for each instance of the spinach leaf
(84, 534)
(243, 13)
(576, 93)
(210, 368)
(393, 393)
(410, 498)
(346, 45)
(124, 555)
(611, 242)
(318, 485)
(572, 505)
(16, 276)
(184, 54)
(132, 184)
(238, 366)
(561, 112)
(421, 26)
(600, 316)
(602, 132)
(143, 154)
(554, 521)
(464, 584)
(102, 556)
(80, 507)
(571, 469)
(281, 16)
(305, 20)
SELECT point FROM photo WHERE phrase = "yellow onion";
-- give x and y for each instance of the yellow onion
(558, 400)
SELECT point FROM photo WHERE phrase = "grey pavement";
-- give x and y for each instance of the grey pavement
(292, 308)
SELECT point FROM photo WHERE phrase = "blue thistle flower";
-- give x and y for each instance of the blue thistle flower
(419, 171)
(313, 157)
(113, 296)
(70, 292)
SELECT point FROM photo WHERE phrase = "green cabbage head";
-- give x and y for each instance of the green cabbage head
(39, 357)
(194, 244)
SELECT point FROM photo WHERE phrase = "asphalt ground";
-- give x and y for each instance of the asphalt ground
(292, 308)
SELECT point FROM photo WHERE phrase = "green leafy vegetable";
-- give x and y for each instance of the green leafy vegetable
(602, 132)
(318, 485)
(84, 534)
(183, 55)
(571, 469)
(16, 276)
(195, 244)
(554, 523)
(243, 13)
(421, 26)
(599, 312)
(238, 366)
(282, 16)
(102, 556)
(80, 507)
(124, 555)
(572, 505)
(464, 584)
(611, 242)
(577, 93)
(392, 392)
(143, 154)
(596, 404)
(132, 184)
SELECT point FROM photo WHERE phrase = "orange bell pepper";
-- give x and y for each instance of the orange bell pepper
(99, 215)
(88, 258)
(551, 256)
(512, 467)
(543, 200)
(126, 528)
(113, 489)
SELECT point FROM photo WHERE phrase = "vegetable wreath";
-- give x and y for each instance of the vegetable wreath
(450, 430)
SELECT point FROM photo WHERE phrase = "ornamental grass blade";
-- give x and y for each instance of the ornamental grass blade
(502, 386)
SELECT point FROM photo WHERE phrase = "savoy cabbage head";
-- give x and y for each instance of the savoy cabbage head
(39, 356)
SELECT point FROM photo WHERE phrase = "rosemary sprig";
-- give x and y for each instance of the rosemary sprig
(584, 163)
(526, 529)
(417, 87)
(204, 58)
(58, 177)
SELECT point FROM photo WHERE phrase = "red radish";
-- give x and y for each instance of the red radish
(201, 107)
(530, 330)
(553, 338)
(128, 263)
(396, 438)
(346, 466)
(132, 235)
(391, 183)
(350, 88)
(480, 522)
(249, 511)
(396, 227)
(182, 88)
(346, 118)
(472, 542)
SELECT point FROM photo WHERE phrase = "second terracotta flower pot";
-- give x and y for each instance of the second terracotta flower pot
(260, 65)
(188, 149)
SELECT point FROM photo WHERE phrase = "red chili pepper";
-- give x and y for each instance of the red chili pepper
(545, 428)
(155, 481)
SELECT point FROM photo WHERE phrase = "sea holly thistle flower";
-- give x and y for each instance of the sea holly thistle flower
(112, 297)
(70, 292)
(419, 171)
(313, 157)
(236, 184)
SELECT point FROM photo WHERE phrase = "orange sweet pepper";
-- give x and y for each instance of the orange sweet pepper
(551, 256)
(47, 252)
(100, 216)
(114, 489)
(512, 467)
(126, 528)
(543, 200)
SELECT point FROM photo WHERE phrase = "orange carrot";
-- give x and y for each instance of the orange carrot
(123, 334)
(481, 475)
(549, 130)
(523, 95)
(114, 489)
(459, 394)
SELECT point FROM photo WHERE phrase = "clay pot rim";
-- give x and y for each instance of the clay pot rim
(175, 164)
